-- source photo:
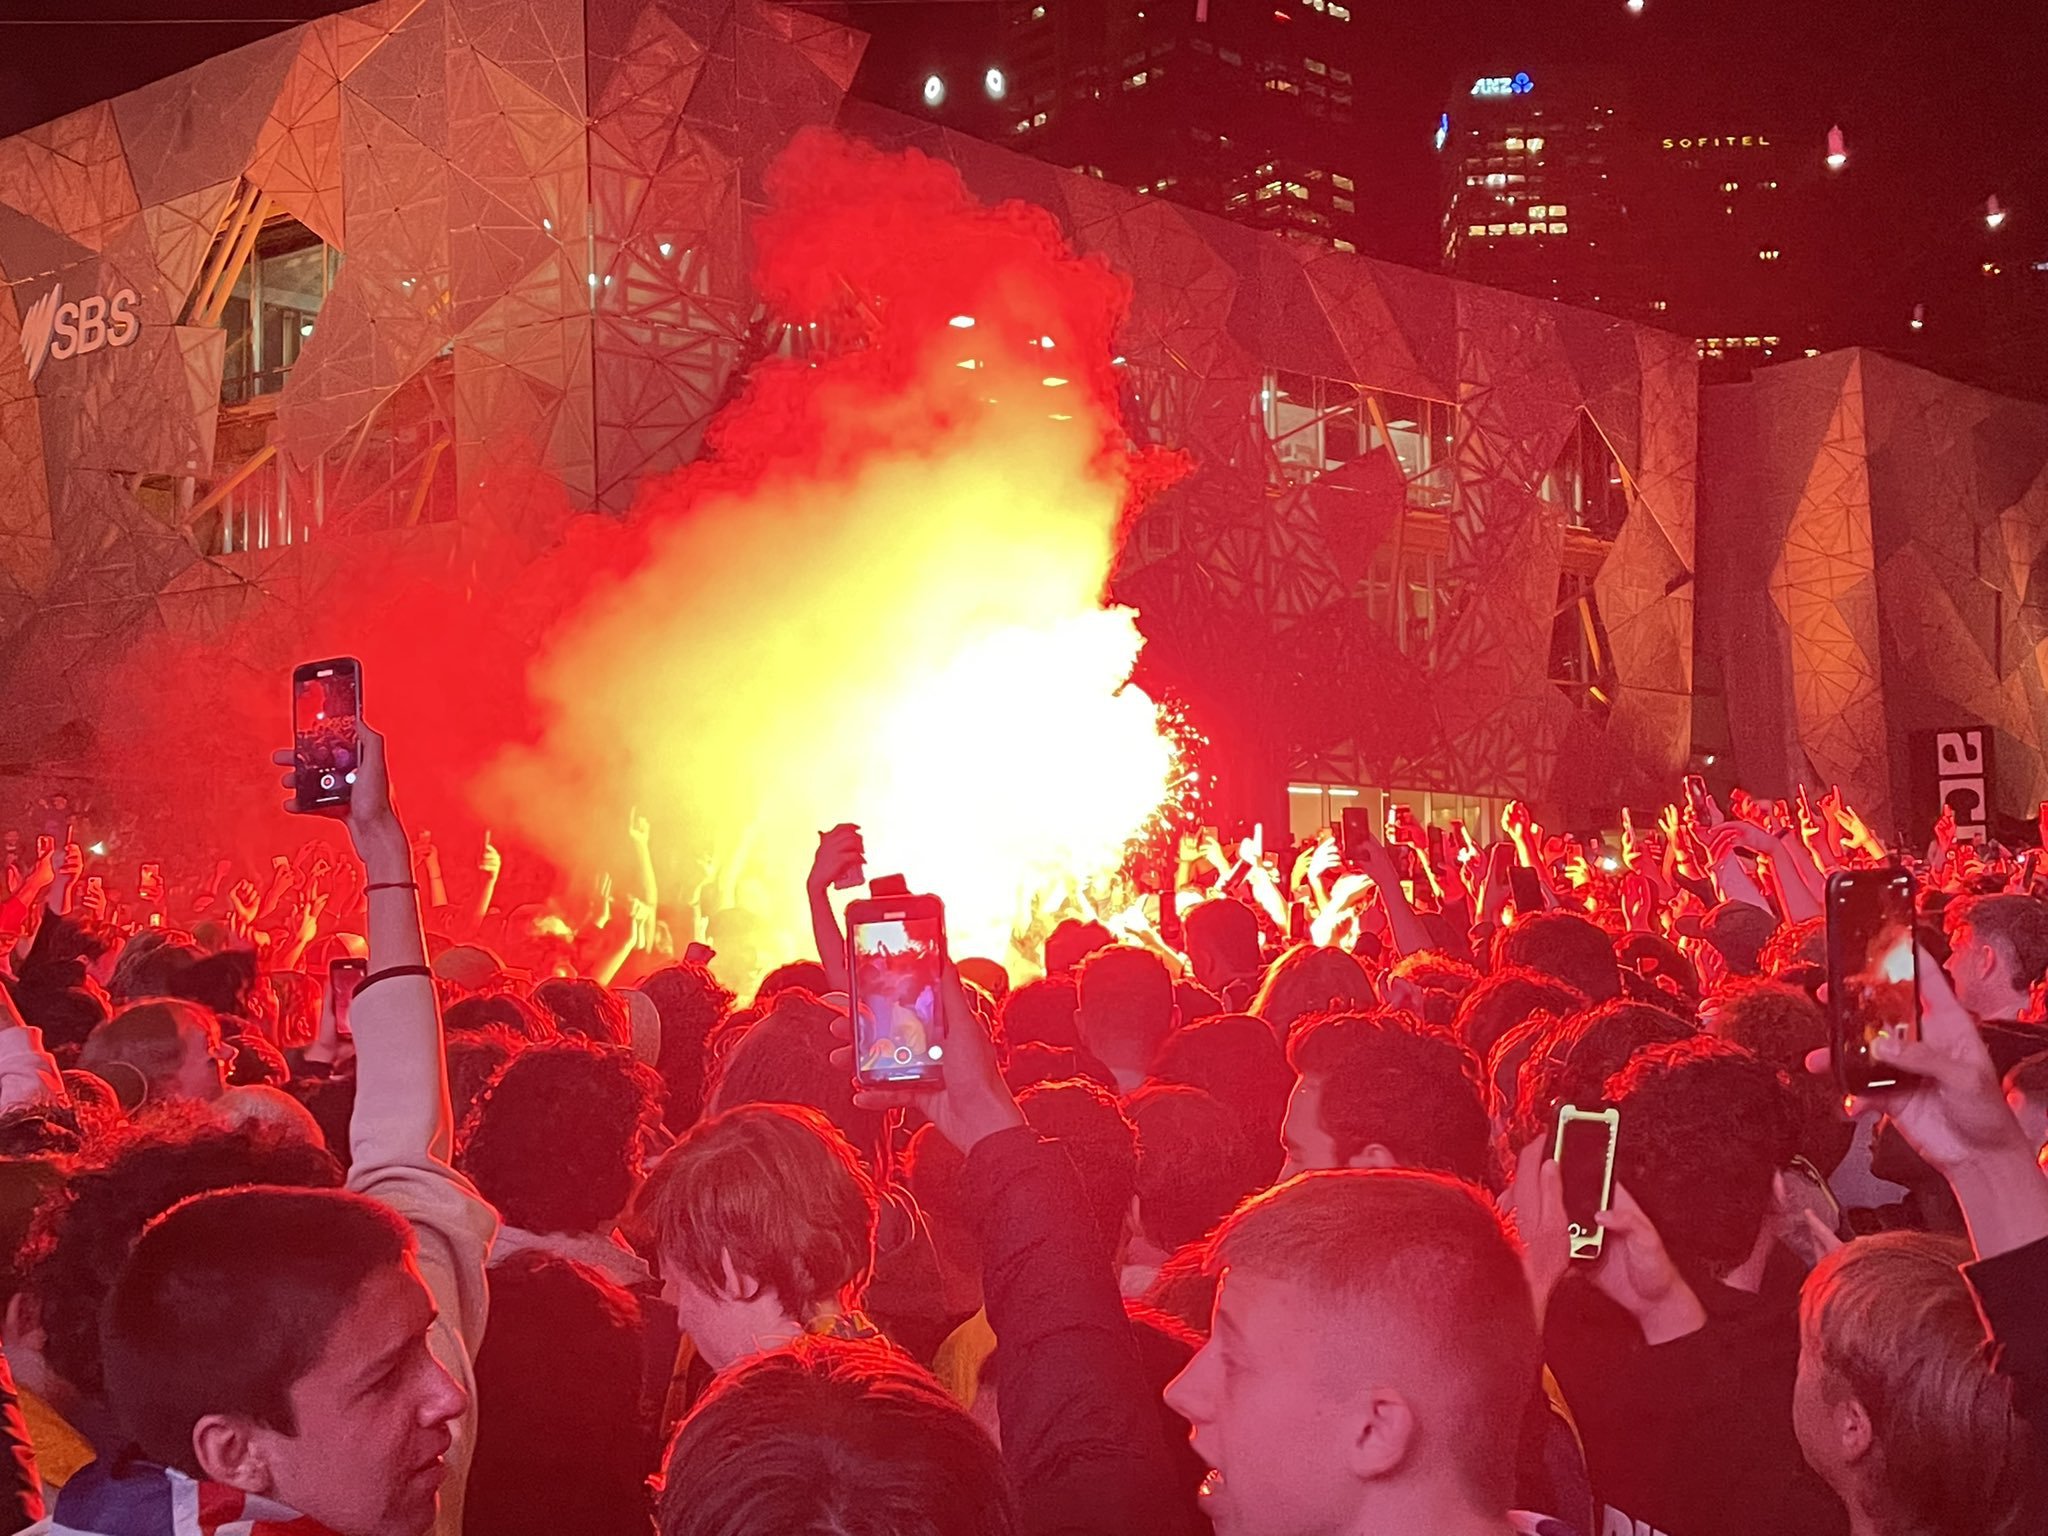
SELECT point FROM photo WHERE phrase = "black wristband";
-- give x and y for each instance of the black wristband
(392, 885)
(390, 971)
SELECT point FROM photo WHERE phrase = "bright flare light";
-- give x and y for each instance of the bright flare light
(879, 600)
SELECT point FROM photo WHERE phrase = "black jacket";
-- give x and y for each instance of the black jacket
(1694, 1437)
(1081, 1427)
(2012, 1295)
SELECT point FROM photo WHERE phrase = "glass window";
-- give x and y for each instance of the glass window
(272, 308)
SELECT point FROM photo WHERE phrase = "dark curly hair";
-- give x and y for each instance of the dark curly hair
(555, 1141)
(1193, 1164)
(1411, 1087)
(580, 1006)
(692, 1004)
(471, 1015)
(785, 1057)
(1234, 1058)
(1085, 1118)
(82, 1236)
(1704, 1127)
(1571, 1061)
(1491, 1011)
(1565, 946)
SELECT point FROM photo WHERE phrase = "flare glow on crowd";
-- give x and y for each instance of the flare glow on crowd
(876, 597)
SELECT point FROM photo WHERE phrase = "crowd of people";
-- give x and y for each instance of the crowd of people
(334, 1203)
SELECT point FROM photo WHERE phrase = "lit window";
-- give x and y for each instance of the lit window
(1475, 229)
(1297, 190)
(1038, 13)
(1539, 210)
(1496, 229)
(1038, 120)
(1025, 126)
(1286, 86)
(1556, 209)
(1730, 186)
(1496, 179)
(1341, 183)
(1557, 228)
(1132, 82)
(1536, 143)
(1512, 144)
(1316, 66)
(1766, 255)
(1343, 205)
(1344, 245)
(1539, 229)
(1341, 76)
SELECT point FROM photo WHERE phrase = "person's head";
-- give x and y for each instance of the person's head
(1379, 1090)
(1194, 1165)
(146, 963)
(765, 1220)
(1373, 1338)
(833, 1435)
(275, 1340)
(1506, 1000)
(1085, 1118)
(560, 1138)
(1565, 946)
(226, 983)
(986, 974)
(1997, 951)
(1311, 979)
(1705, 1128)
(160, 1050)
(1126, 1006)
(807, 974)
(580, 1006)
(1234, 1058)
(1222, 937)
(1898, 1406)
(1739, 932)
(471, 967)
(1072, 942)
(67, 1016)
(692, 1004)
(558, 1404)
(81, 1239)
(785, 1057)
(1430, 984)
(500, 1010)
(2026, 1094)
(1043, 1012)
(1782, 1025)
(1572, 1059)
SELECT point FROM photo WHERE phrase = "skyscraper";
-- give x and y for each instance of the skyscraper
(1247, 112)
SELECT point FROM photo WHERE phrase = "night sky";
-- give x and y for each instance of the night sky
(1942, 105)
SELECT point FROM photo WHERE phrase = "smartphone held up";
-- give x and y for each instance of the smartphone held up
(1873, 973)
(327, 701)
(1584, 1150)
(896, 949)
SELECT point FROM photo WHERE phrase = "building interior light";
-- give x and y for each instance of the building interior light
(962, 322)
(996, 83)
(934, 91)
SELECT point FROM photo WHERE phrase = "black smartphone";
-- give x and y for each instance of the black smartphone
(1696, 794)
(1584, 1150)
(1354, 834)
(896, 951)
(344, 975)
(1873, 972)
(1524, 888)
(327, 699)
(699, 953)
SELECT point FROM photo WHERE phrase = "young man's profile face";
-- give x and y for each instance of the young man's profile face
(374, 1417)
(1307, 1145)
(1267, 1397)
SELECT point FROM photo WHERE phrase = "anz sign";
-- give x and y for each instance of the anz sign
(1503, 85)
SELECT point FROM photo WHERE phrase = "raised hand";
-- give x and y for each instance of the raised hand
(638, 828)
(1945, 827)
(372, 822)
(839, 858)
(243, 900)
(974, 1103)
(489, 862)
(602, 910)
(1635, 1271)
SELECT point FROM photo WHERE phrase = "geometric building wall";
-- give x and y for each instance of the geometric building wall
(1430, 535)
(1258, 579)
(1875, 563)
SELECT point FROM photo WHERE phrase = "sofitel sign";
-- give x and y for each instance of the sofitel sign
(53, 328)
(1722, 141)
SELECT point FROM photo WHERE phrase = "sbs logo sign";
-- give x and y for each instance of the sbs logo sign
(55, 329)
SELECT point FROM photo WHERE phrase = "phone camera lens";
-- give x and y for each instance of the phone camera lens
(902, 1055)
(327, 781)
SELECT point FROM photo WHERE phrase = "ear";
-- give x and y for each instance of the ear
(1852, 1424)
(229, 1450)
(1373, 1155)
(1385, 1433)
(736, 1287)
(22, 1323)
(1781, 1197)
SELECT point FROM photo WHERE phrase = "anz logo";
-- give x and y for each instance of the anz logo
(53, 328)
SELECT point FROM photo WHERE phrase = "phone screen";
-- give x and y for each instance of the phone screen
(1585, 1157)
(898, 947)
(1353, 832)
(326, 698)
(1873, 971)
(344, 976)
(1525, 889)
(1696, 793)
